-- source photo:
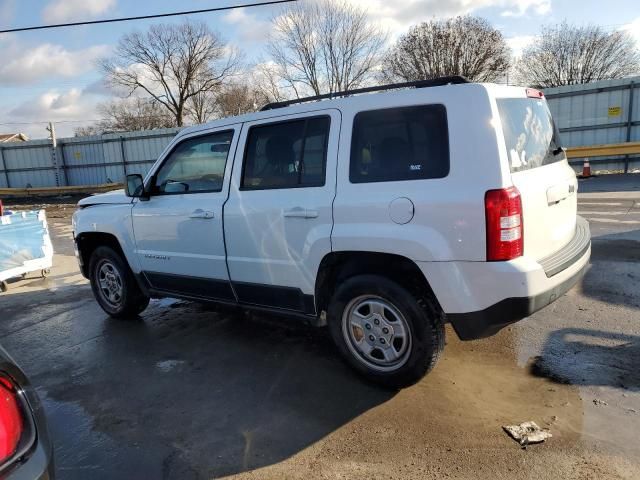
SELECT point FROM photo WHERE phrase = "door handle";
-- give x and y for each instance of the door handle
(199, 213)
(300, 212)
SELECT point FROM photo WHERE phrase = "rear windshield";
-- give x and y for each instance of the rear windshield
(530, 134)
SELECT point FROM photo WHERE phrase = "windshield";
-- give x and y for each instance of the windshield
(530, 134)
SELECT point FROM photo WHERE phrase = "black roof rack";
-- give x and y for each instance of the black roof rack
(436, 82)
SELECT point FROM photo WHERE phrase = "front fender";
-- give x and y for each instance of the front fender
(112, 219)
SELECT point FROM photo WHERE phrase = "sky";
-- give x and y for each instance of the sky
(51, 75)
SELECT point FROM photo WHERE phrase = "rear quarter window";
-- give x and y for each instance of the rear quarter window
(409, 143)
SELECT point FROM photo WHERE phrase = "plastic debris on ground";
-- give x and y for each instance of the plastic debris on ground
(25, 245)
(527, 433)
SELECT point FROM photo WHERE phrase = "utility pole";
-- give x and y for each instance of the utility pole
(54, 144)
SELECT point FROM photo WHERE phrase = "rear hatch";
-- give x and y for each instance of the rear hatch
(540, 171)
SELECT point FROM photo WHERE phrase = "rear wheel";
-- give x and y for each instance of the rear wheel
(114, 285)
(385, 332)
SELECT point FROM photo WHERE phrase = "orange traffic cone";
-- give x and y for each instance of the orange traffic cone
(586, 168)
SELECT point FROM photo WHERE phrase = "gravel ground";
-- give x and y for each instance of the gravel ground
(190, 391)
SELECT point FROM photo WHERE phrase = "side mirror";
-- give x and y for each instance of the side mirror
(134, 186)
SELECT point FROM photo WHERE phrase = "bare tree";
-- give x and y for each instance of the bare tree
(87, 131)
(567, 54)
(127, 115)
(236, 99)
(266, 80)
(324, 46)
(202, 107)
(171, 63)
(464, 45)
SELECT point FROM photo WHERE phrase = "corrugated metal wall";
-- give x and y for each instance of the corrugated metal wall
(82, 160)
(598, 113)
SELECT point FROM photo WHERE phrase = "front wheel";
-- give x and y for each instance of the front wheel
(114, 285)
(385, 332)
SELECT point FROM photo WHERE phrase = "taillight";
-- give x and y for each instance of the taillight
(533, 93)
(503, 211)
(11, 422)
(1, 209)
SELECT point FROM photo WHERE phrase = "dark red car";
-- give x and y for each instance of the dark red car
(25, 448)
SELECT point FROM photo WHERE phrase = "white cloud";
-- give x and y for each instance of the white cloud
(23, 65)
(248, 27)
(520, 7)
(70, 10)
(398, 16)
(633, 29)
(519, 43)
(55, 106)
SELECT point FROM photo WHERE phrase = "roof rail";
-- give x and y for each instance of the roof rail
(436, 82)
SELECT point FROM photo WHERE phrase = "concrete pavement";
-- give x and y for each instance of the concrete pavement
(189, 391)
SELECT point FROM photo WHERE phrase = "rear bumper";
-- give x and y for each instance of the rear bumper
(39, 466)
(487, 322)
(480, 298)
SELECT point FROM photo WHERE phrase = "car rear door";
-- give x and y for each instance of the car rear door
(540, 171)
(278, 217)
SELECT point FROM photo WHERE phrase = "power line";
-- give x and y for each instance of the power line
(145, 17)
(35, 122)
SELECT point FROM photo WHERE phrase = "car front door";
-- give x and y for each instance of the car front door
(178, 230)
(278, 217)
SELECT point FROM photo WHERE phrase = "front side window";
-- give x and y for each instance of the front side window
(409, 143)
(530, 134)
(195, 165)
(286, 154)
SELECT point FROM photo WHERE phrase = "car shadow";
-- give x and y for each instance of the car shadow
(589, 357)
(614, 275)
(208, 392)
(612, 182)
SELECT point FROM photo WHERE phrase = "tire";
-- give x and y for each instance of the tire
(114, 285)
(386, 333)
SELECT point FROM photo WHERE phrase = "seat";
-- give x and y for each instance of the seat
(280, 158)
(392, 159)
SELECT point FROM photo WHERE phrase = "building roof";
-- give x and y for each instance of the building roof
(13, 137)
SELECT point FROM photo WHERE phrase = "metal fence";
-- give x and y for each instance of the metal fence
(599, 113)
(80, 160)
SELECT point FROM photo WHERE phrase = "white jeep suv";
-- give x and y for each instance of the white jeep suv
(384, 215)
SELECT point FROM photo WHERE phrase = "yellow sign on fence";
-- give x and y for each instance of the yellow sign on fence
(615, 111)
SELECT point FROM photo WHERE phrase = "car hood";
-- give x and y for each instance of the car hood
(115, 197)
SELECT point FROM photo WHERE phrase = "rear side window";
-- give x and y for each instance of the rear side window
(530, 134)
(286, 154)
(410, 143)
